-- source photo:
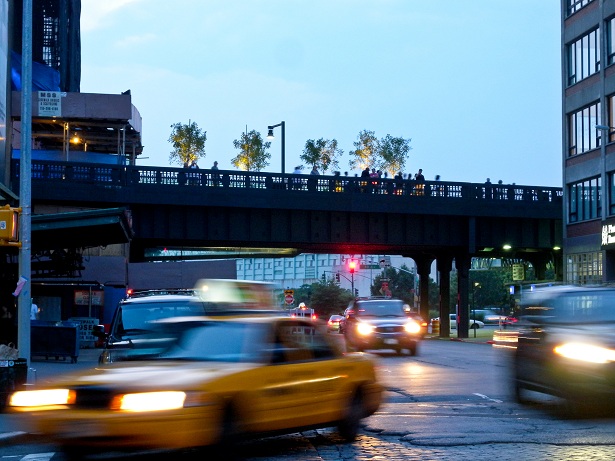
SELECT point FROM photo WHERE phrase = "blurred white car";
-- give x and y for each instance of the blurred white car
(453, 319)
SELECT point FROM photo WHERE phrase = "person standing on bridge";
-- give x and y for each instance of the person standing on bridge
(215, 175)
(420, 179)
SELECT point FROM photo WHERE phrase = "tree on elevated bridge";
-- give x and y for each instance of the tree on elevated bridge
(188, 143)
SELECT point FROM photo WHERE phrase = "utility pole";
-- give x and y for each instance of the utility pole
(24, 296)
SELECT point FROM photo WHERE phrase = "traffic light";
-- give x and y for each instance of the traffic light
(9, 226)
(324, 278)
(356, 292)
(337, 277)
(352, 266)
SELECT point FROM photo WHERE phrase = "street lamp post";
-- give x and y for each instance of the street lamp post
(270, 136)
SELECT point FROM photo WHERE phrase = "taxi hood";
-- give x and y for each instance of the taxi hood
(152, 375)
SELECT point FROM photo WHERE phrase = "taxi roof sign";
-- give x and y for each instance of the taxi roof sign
(229, 295)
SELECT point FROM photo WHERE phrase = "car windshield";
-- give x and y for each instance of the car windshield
(583, 306)
(139, 317)
(390, 308)
(221, 342)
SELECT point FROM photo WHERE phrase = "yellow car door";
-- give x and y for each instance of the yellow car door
(300, 383)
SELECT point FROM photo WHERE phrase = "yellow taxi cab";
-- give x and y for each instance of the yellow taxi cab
(222, 379)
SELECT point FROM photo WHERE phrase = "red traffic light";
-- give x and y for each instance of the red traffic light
(352, 266)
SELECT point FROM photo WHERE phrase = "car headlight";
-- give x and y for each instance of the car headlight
(585, 352)
(412, 327)
(365, 329)
(149, 401)
(42, 399)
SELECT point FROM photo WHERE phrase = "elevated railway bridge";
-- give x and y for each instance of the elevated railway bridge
(198, 209)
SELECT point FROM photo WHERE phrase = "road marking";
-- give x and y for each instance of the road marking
(38, 457)
(483, 396)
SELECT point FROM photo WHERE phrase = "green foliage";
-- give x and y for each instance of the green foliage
(365, 153)
(401, 284)
(325, 298)
(188, 143)
(253, 155)
(393, 153)
(387, 154)
(322, 153)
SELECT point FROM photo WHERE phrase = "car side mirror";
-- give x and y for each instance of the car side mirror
(99, 331)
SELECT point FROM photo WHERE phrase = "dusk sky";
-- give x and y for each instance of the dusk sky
(475, 85)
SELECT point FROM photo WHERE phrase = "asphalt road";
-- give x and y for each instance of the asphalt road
(451, 402)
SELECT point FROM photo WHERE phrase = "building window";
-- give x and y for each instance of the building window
(584, 200)
(576, 5)
(584, 57)
(582, 132)
(611, 197)
(610, 101)
(610, 41)
(584, 268)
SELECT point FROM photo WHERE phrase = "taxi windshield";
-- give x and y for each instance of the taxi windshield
(221, 342)
(140, 316)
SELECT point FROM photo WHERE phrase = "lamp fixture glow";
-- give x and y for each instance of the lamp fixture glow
(507, 247)
(270, 133)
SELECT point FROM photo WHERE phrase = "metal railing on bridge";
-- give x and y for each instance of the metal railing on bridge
(130, 175)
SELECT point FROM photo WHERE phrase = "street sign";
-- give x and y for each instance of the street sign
(49, 104)
(518, 272)
(289, 299)
(370, 266)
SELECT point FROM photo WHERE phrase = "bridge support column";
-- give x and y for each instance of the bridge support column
(462, 263)
(444, 265)
(423, 267)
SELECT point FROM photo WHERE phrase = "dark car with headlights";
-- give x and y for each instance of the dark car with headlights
(566, 345)
(381, 323)
(131, 332)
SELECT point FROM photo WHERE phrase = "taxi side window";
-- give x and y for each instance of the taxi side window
(299, 342)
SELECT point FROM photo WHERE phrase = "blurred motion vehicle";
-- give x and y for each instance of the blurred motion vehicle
(221, 380)
(381, 323)
(130, 332)
(334, 323)
(489, 317)
(566, 345)
(474, 324)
